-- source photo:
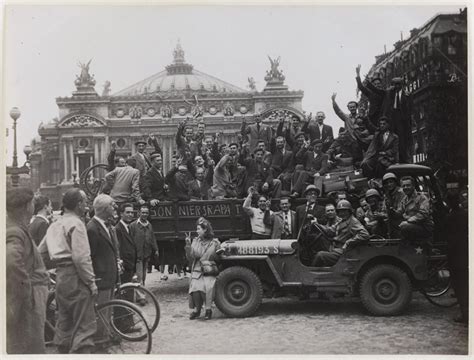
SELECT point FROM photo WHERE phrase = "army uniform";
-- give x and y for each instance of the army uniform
(348, 229)
(416, 212)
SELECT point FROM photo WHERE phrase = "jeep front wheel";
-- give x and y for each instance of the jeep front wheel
(238, 292)
(385, 290)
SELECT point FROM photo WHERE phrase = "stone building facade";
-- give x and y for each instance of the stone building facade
(88, 122)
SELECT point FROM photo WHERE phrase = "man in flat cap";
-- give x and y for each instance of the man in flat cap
(142, 158)
(315, 163)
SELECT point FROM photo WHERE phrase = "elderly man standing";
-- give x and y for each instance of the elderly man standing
(104, 253)
(26, 277)
(68, 247)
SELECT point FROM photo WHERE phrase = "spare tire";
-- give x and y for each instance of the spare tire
(238, 292)
(385, 290)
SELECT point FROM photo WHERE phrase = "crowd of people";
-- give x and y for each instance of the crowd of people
(92, 251)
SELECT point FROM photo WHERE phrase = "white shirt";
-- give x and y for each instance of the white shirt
(143, 223)
(385, 136)
(101, 222)
(320, 131)
(44, 217)
(256, 222)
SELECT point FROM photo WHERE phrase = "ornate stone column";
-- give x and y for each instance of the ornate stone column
(71, 159)
(64, 158)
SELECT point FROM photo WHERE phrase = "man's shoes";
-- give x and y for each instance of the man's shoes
(208, 315)
(164, 277)
(132, 329)
(195, 314)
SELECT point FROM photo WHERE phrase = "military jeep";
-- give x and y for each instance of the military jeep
(381, 272)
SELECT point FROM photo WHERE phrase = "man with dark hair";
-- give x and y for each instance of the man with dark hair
(177, 179)
(26, 277)
(282, 165)
(260, 230)
(283, 222)
(415, 209)
(330, 215)
(67, 245)
(154, 186)
(187, 147)
(143, 236)
(223, 182)
(40, 223)
(382, 151)
(315, 163)
(198, 189)
(127, 247)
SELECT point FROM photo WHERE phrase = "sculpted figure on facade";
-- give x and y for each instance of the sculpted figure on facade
(166, 111)
(135, 112)
(106, 90)
(228, 109)
(84, 79)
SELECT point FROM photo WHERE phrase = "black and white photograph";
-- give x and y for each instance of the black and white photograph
(235, 179)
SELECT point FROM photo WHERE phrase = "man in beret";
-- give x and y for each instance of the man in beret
(26, 278)
(315, 163)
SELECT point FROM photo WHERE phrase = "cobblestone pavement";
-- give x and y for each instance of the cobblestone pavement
(289, 326)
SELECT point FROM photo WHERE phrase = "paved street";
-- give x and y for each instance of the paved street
(287, 325)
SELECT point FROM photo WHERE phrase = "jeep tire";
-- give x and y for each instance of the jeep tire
(238, 292)
(385, 290)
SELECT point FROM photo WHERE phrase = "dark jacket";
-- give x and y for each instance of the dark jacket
(197, 192)
(178, 184)
(282, 162)
(313, 131)
(104, 255)
(38, 229)
(277, 223)
(317, 211)
(144, 239)
(128, 250)
(153, 185)
(310, 163)
(390, 147)
(375, 97)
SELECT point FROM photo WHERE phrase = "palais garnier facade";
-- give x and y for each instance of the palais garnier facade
(88, 122)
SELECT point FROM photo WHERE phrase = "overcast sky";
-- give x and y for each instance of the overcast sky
(319, 46)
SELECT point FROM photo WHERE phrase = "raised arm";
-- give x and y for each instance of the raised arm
(337, 109)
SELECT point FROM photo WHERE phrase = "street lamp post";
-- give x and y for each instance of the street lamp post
(14, 171)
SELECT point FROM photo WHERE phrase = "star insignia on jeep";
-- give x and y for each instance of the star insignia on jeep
(419, 250)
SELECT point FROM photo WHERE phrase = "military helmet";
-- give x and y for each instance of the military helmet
(388, 176)
(344, 205)
(372, 192)
(311, 187)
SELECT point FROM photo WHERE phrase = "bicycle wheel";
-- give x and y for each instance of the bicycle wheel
(439, 279)
(138, 294)
(51, 318)
(119, 318)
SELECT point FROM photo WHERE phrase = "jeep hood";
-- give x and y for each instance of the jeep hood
(258, 247)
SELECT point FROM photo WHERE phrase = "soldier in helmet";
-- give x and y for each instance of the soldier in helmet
(349, 231)
(376, 215)
(393, 196)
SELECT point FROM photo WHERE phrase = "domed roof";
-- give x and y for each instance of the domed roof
(179, 77)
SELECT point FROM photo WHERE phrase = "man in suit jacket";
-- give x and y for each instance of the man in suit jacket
(307, 214)
(315, 164)
(319, 130)
(282, 165)
(125, 183)
(104, 252)
(198, 189)
(40, 223)
(383, 151)
(256, 132)
(154, 186)
(127, 248)
(142, 158)
(283, 222)
(373, 91)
